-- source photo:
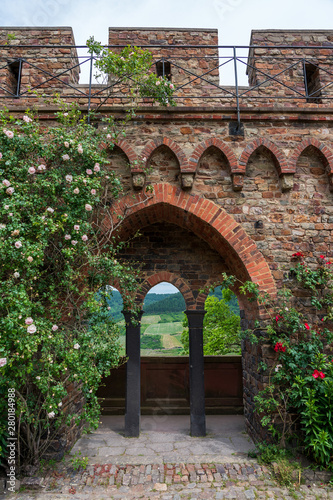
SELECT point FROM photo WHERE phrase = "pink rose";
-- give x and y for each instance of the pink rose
(77, 227)
(9, 134)
(0, 156)
(50, 209)
(10, 190)
(69, 178)
(30, 259)
(31, 170)
(29, 321)
(74, 242)
(27, 119)
(54, 328)
(31, 329)
(88, 207)
(6, 183)
(93, 191)
(3, 362)
(18, 244)
(67, 236)
(76, 191)
(97, 167)
(84, 237)
(89, 171)
(66, 144)
(80, 149)
(65, 157)
(41, 167)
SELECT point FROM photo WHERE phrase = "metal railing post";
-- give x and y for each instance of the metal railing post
(236, 88)
(18, 86)
(90, 82)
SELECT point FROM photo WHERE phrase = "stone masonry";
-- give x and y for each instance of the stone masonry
(223, 201)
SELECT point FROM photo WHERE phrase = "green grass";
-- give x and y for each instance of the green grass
(150, 320)
(165, 328)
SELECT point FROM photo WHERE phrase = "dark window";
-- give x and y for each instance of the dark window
(163, 68)
(14, 69)
(312, 83)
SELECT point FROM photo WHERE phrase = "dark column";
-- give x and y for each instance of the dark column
(132, 404)
(197, 383)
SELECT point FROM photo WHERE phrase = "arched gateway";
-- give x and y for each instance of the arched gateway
(189, 241)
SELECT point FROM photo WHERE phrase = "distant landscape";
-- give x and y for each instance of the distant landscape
(162, 322)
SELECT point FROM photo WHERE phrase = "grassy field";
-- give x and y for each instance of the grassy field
(164, 328)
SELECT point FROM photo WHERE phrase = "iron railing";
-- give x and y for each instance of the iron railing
(193, 85)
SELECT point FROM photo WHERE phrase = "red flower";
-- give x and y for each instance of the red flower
(315, 374)
(279, 347)
(321, 375)
(278, 317)
(306, 326)
(322, 256)
(298, 254)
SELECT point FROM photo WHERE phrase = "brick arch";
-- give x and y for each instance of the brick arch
(164, 141)
(325, 153)
(281, 160)
(203, 146)
(126, 149)
(179, 282)
(202, 217)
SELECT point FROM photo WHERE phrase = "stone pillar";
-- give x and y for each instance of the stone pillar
(197, 383)
(133, 386)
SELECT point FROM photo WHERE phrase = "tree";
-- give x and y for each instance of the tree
(221, 333)
(56, 330)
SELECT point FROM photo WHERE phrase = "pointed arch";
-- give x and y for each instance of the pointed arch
(149, 149)
(281, 160)
(172, 278)
(205, 219)
(325, 153)
(125, 148)
(203, 146)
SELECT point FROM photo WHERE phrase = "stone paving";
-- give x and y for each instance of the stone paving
(139, 468)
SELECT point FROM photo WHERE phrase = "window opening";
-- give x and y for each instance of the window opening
(163, 68)
(312, 83)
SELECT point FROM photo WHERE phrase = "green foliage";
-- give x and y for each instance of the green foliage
(164, 304)
(132, 66)
(151, 342)
(78, 461)
(301, 382)
(221, 334)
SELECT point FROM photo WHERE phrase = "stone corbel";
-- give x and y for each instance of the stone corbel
(187, 179)
(287, 182)
(138, 179)
(237, 181)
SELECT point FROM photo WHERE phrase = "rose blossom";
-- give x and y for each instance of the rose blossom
(171, 85)
(27, 119)
(65, 157)
(31, 170)
(6, 207)
(93, 191)
(38, 377)
(76, 346)
(67, 236)
(108, 136)
(49, 209)
(60, 404)
(16, 275)
(41, 167)
(88, 207)
(89, 171)
(18, 244)
(84, 237)
(29, 321)
(97, 167)
(51, 414)
(69, 178)
(0, 156)
(54, 328)
(30, 259)
(10, 190)
(9, 134)
(31, 329)
(66, 144)
(74, 242)
(6, 182)
(77, 227)
(3, 362)
(80, 149)
(76, 191)
(158, 82)
(277, 368)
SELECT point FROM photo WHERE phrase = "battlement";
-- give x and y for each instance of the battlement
(283, 66)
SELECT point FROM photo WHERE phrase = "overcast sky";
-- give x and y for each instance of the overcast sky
(233, 18)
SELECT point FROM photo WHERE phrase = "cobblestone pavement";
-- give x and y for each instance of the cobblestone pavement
(166, 463)
(243, 481)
